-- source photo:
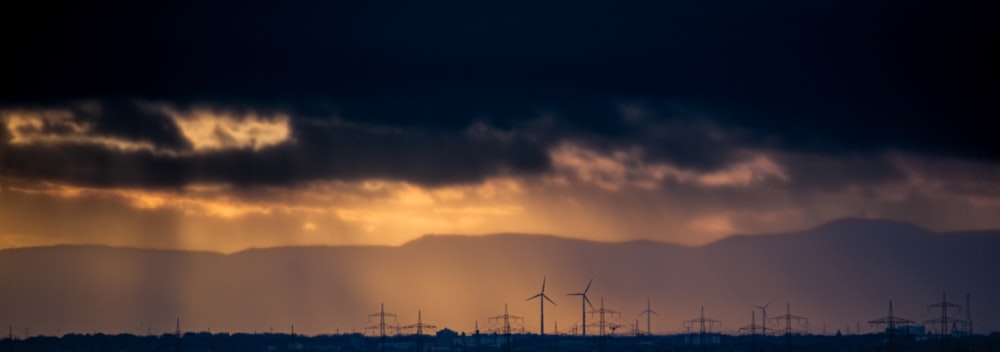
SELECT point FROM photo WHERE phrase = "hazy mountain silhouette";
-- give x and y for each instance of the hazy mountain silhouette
(839, 273)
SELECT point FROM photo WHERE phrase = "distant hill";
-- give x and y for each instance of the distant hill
(838, 274)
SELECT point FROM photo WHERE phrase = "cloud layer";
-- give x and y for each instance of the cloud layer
(609, 121)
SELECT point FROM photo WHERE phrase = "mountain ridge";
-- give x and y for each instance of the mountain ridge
(825, 229)
(458, 280)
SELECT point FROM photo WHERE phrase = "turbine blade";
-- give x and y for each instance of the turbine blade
(585, 299)
(588, 285)
(533, 297)
(543, 284)
(549, 299)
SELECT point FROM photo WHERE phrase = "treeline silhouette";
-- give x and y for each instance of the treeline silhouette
(447, 340)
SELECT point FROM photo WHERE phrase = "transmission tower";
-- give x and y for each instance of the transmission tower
(752, 329)
(944, 320)
(381, 327)
(891, 323)
(705, 326)
(503, 324)
(602, 323)
(787, 318)
(420, 326)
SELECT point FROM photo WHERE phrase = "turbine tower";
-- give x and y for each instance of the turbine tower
(583, 305)
(763, 317)
(542, 297)
(648, 312)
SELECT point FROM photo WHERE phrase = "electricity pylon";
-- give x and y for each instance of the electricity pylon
(944, 320)
(891, 322)
(381, 326)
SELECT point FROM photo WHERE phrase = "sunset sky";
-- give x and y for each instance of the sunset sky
(227, 126)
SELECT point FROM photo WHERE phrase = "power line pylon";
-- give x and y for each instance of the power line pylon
(705, 326)
(381, 326)
(506, 329)
(891, 323)
(752, 329)
(787, 318)
(420, 325)
(944, 321)
(602, 323)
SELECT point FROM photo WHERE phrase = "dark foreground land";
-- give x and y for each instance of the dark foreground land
(448, 341)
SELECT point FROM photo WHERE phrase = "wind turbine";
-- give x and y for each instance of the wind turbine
(583, 304)
(542, 297)
(648, 312)
(763, 319)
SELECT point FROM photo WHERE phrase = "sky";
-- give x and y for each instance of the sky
(225, 126)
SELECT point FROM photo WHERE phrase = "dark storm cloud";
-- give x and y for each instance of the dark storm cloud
(320, 151)
(835, 78)
(127, 120)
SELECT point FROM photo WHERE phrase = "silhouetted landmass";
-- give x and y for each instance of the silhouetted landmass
(449, 341)
(838, 275)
